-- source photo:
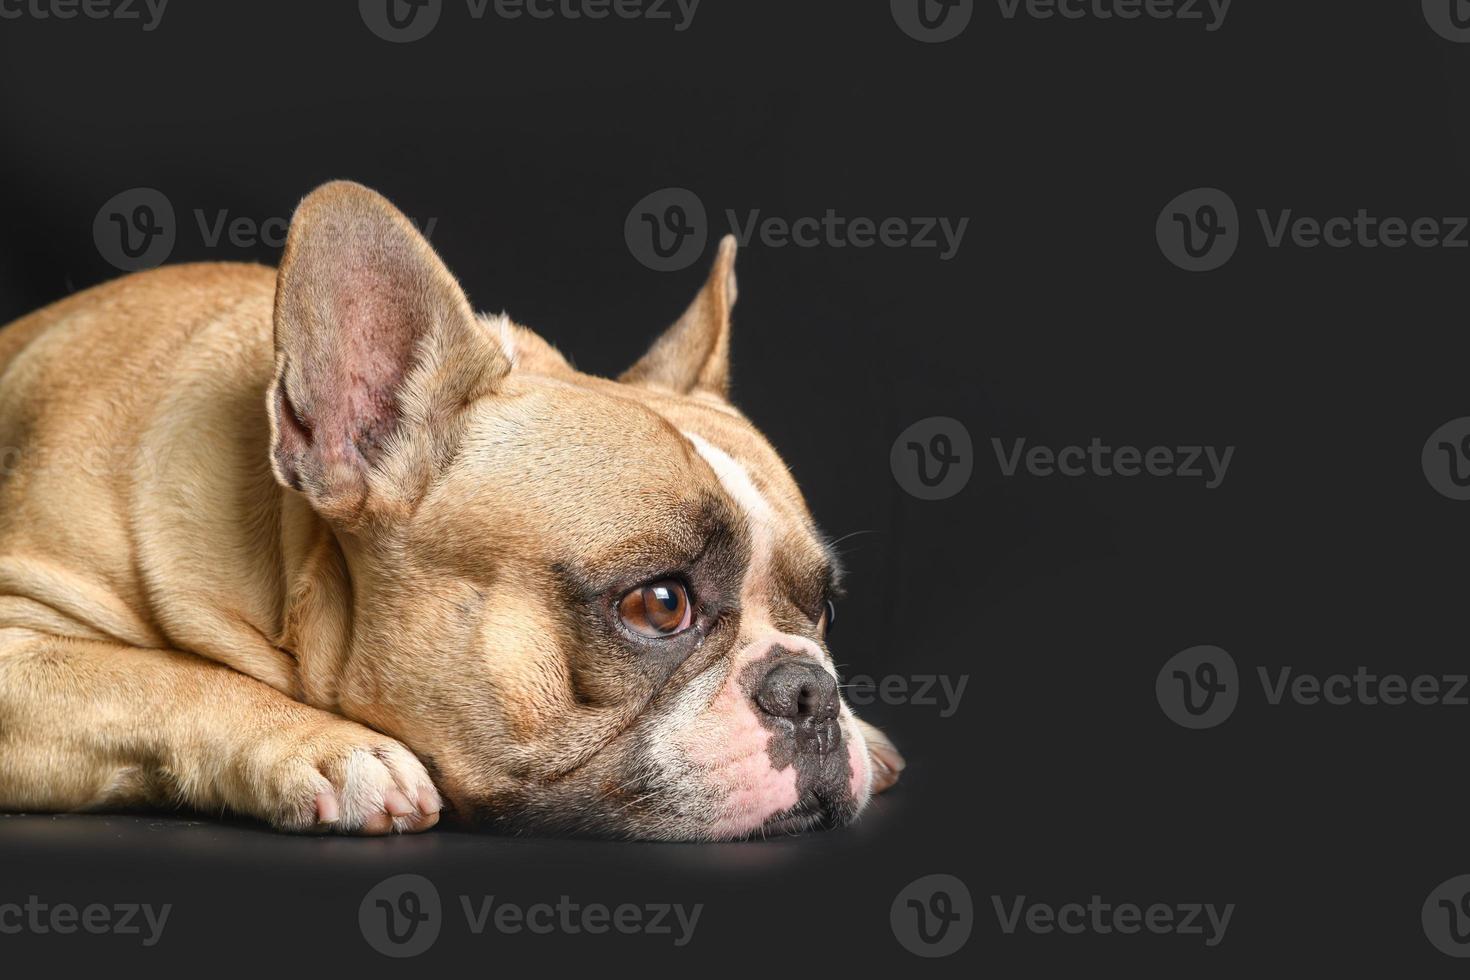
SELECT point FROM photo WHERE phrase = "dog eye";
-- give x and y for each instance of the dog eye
(828, 620)
(657, 610)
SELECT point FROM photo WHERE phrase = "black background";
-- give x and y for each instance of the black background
(1059, 320)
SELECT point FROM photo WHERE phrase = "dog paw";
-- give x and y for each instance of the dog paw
(345, 779)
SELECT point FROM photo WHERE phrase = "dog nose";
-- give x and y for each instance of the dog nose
(806, 695)
(798, 690)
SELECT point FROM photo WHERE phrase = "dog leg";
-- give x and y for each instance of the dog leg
(88, 725)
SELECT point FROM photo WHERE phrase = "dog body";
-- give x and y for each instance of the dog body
(322, 547)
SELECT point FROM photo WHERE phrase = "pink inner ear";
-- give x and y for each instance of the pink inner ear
(377, 329)
(293, 438)
(377, 312)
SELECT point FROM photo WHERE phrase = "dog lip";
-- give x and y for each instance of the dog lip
(811, 812)
(790, 824)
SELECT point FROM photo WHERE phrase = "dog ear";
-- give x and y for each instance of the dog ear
(886, 760)
(694, 354)
(377, 353)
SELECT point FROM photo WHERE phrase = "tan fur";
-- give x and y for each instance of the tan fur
(220, 588)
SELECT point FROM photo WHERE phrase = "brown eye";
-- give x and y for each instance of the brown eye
(656, 610)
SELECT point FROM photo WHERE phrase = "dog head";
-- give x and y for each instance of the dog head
(589, 606)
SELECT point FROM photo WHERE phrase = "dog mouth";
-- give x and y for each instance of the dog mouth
(813, 812)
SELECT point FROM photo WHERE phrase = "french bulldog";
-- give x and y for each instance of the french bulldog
(323, 547)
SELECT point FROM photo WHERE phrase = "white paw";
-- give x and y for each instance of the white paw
(346, 779)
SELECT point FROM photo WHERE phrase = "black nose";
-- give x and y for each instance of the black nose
(806, 695)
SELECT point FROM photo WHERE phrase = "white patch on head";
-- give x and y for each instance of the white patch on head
(761, 518)
(737, 483)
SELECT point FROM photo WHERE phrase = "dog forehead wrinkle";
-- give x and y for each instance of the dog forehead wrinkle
(556, 428)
